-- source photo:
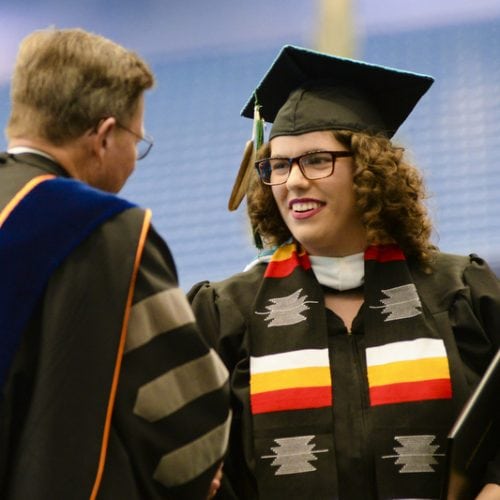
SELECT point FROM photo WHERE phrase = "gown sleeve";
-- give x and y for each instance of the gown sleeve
(202, 297)
(220, 310)
(172, 412)
(475, 317)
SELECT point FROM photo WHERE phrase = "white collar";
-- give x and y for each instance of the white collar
(24, 149)
(339, 273)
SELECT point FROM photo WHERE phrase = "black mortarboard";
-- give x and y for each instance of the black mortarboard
(305, 91)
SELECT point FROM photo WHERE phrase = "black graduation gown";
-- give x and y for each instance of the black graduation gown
(462, 295)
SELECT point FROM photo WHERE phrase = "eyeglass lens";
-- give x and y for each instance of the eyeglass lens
(313, 166)
(143, 148)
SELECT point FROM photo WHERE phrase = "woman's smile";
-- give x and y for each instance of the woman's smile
(303, 208)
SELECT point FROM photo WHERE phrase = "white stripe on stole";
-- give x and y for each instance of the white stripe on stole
(407, 350)
(289, 360)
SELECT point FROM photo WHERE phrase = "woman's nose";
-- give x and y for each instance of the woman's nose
(296, 177)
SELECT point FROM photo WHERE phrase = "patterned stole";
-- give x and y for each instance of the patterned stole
(408, 408)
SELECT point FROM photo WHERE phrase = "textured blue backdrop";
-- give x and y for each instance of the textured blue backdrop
(208, 63)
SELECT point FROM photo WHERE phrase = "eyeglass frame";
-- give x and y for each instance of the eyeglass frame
(146, 138)
(296, 159)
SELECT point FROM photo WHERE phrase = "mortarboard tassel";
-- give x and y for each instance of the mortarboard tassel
(258, 126)
(258, 140)
(252, 145)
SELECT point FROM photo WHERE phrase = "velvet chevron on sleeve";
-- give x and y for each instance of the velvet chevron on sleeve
(173, 389)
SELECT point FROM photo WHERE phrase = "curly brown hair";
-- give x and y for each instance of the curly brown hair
(389, 195)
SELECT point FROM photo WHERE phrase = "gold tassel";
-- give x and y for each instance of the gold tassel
(240, 186)
(241, 183)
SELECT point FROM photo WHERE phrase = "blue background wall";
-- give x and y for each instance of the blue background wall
(208, 56)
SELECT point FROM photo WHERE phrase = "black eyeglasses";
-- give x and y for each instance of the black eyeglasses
(143, 147)
(315, 165)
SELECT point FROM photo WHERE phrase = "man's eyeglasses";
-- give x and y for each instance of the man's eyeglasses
(143, 147)
(316, 165)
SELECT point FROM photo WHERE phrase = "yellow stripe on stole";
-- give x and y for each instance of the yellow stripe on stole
(287, 379)
(285, 252)
(408, 371)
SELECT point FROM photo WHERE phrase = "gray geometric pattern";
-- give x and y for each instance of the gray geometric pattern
(293, 455)
(416, 453)
(284, 311)
(401, 302)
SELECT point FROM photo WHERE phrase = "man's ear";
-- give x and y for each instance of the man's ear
(102, 135)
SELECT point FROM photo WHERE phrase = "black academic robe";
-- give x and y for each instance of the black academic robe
(463, 297)
(111, 393)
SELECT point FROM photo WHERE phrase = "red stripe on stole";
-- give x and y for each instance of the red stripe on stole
(283, 268)
(384, 253)
(410, 391)
(291, 399)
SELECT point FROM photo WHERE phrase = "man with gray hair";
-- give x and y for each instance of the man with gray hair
(107, 389)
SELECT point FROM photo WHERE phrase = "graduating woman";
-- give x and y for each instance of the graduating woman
(352, 342)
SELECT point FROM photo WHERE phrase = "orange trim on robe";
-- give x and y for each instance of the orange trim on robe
(119, 355)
